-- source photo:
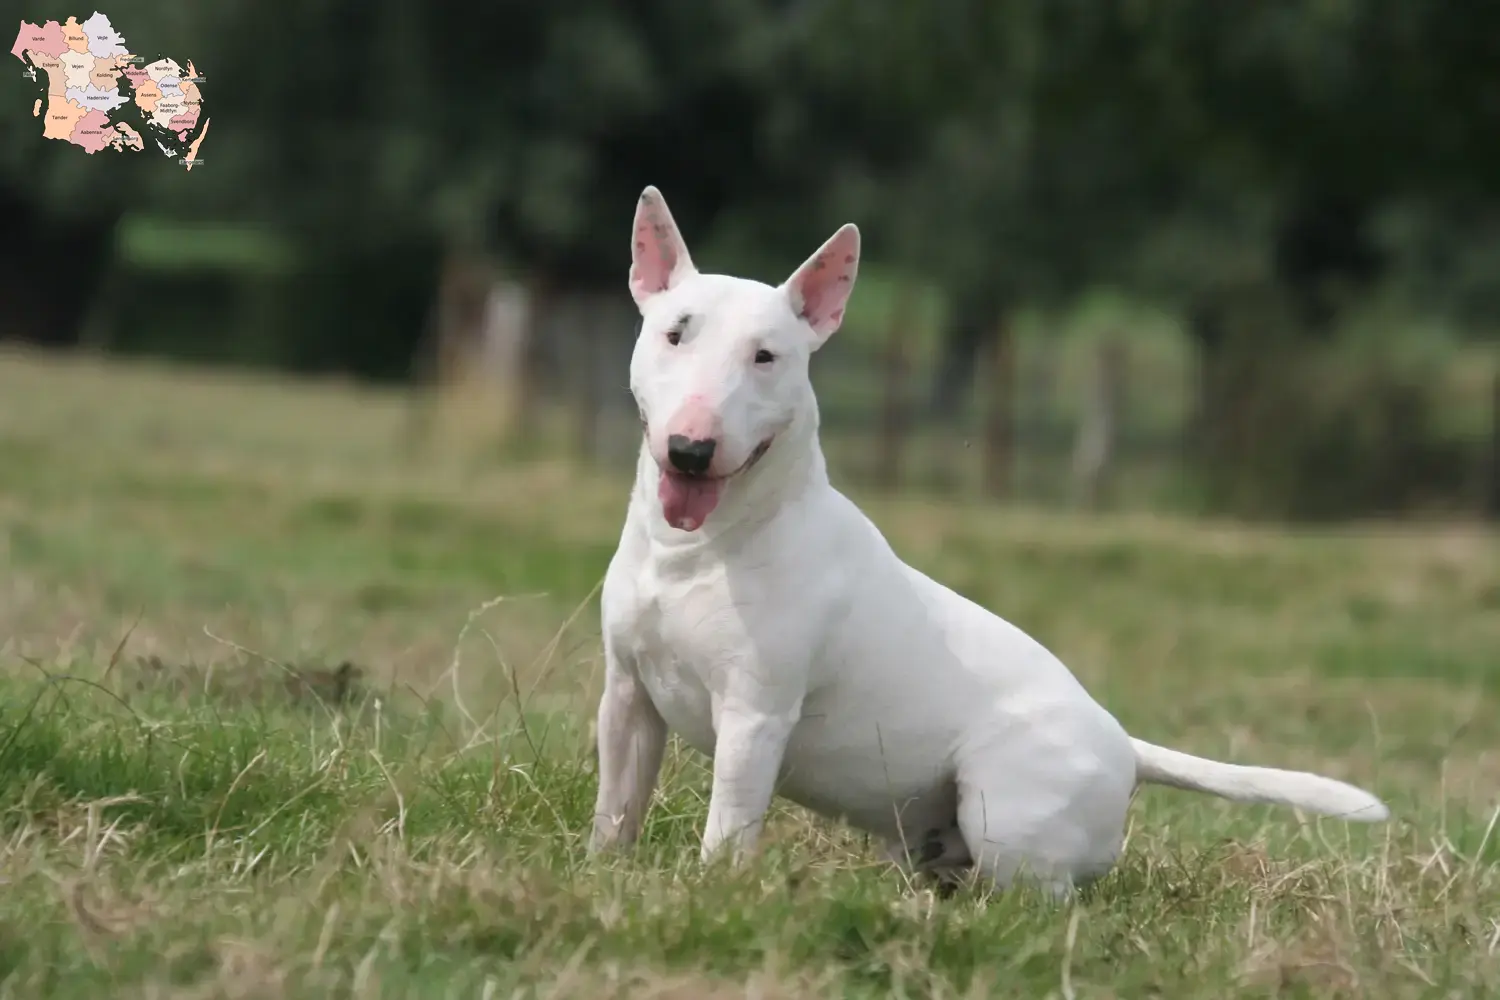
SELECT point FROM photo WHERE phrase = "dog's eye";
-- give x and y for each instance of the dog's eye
(674, 332)
(764, 357)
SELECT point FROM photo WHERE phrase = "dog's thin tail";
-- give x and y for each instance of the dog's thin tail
(1312, 792)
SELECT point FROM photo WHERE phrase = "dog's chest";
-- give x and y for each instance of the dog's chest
(685, 638)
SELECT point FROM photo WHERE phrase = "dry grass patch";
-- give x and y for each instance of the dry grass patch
(217, 807)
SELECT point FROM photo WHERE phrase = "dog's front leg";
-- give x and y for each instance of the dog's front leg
(748, 750)
(632, 737)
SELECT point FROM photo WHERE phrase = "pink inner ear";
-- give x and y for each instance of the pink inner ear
(657, 250)
(820, 288)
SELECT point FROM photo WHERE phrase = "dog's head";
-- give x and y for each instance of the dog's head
(720, 368)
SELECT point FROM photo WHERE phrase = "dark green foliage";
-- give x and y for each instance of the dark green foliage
(1008, 153)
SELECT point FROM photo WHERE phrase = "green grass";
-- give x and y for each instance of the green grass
(195, 801)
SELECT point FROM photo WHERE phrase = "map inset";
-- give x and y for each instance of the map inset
(100, 94)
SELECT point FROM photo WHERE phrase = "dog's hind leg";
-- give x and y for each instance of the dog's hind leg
(941, 855)
(1054, 828)
(632, 738)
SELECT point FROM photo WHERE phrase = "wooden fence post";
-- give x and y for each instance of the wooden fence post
(1492, 502)
(530, 386)
(999, 425)
(1099, 424)
(896, 410)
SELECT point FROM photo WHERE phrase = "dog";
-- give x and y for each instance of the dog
(757, 612)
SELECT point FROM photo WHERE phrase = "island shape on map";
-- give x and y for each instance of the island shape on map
(92, 78)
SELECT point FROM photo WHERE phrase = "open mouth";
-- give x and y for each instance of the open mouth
(687, 500)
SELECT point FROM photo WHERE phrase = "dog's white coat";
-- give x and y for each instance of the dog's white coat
(788, 641)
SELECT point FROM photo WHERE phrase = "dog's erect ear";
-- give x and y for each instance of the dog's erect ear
(820, 288)
(658, 257)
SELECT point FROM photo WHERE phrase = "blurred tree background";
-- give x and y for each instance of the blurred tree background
(1240, 258)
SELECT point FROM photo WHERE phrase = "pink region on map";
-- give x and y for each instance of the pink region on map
(48, 40)
(183, 124)
(93, 131)
(136, 75)
(128, 138)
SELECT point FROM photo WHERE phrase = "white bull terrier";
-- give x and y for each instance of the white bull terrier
(754, 610)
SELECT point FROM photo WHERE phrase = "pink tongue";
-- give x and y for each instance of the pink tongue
(687, 502)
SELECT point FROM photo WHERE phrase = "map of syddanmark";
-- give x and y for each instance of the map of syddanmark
(99, 94)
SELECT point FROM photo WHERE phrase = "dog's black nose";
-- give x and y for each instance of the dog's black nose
(692, 457)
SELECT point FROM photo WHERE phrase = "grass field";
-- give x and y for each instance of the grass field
(199, 799)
